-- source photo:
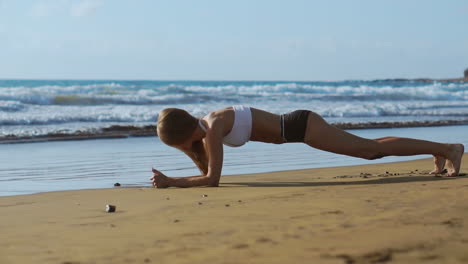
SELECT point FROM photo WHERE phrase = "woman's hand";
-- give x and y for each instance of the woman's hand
(159, 180)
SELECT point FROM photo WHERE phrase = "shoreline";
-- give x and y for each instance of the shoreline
(119, 131)
(252, 175)
(353, 214)
(66, 165)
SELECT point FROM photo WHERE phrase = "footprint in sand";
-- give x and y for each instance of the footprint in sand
(453, 222)
(264, 240)
(333, 212)
(240, 246)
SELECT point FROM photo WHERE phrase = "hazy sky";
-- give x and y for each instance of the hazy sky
(233, 40)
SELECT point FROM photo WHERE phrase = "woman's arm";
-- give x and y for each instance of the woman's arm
(214, 139)
(198, 155)
(162, 181)
(214, 143)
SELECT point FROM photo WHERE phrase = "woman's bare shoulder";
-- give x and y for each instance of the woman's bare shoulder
(220, 114)
(222, 119)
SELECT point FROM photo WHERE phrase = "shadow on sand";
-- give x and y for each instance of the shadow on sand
(387, 180)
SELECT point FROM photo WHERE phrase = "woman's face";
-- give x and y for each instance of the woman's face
(187, 145)
(178, 146)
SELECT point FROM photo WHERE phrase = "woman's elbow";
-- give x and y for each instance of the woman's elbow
(213, 181)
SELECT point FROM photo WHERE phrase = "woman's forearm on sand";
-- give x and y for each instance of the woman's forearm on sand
(192, 181)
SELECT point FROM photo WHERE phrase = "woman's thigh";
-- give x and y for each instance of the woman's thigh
(321, 135)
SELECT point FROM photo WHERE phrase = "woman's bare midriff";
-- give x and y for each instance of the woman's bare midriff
(266, 127)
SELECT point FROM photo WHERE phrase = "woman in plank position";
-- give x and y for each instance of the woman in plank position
(202, 140)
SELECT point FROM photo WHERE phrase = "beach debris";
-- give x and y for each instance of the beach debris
(204, 195)
(227, 205)
(200, 203)
(343, 177)
(167, 198)
(240, 201)
(147, 260)
(176, 221)
(365, 175)
(116, 184)
(110, 208)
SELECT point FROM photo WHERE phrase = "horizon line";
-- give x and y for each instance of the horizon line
(231, 80)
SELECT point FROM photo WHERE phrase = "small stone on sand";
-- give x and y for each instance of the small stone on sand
(110, 208)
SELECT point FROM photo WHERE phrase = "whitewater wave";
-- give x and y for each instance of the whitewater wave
(38, 107)
(186, 93)
(11, 106)
(58, 114)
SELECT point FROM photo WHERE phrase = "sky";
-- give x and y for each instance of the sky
(233, 40)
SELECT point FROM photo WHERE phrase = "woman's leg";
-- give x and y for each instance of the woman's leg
(321, 135)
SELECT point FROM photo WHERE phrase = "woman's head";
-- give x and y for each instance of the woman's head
(175, 126)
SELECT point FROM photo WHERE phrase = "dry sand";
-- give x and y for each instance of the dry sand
(332, 215)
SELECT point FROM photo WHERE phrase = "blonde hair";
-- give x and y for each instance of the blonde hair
(175, 126)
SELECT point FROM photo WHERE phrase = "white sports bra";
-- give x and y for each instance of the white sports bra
(241, 128)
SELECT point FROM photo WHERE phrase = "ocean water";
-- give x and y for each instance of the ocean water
(39, 107)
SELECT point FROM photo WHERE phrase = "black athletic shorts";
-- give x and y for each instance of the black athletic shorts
(293, 125)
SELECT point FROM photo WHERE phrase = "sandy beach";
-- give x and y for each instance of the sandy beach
(382, 213)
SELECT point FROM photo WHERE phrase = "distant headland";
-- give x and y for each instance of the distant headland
(462, 79)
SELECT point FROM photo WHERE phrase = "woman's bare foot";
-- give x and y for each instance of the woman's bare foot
(439, 163)
(159, 180)
(454, 160)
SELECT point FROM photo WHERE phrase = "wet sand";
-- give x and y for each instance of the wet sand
(383, 213)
